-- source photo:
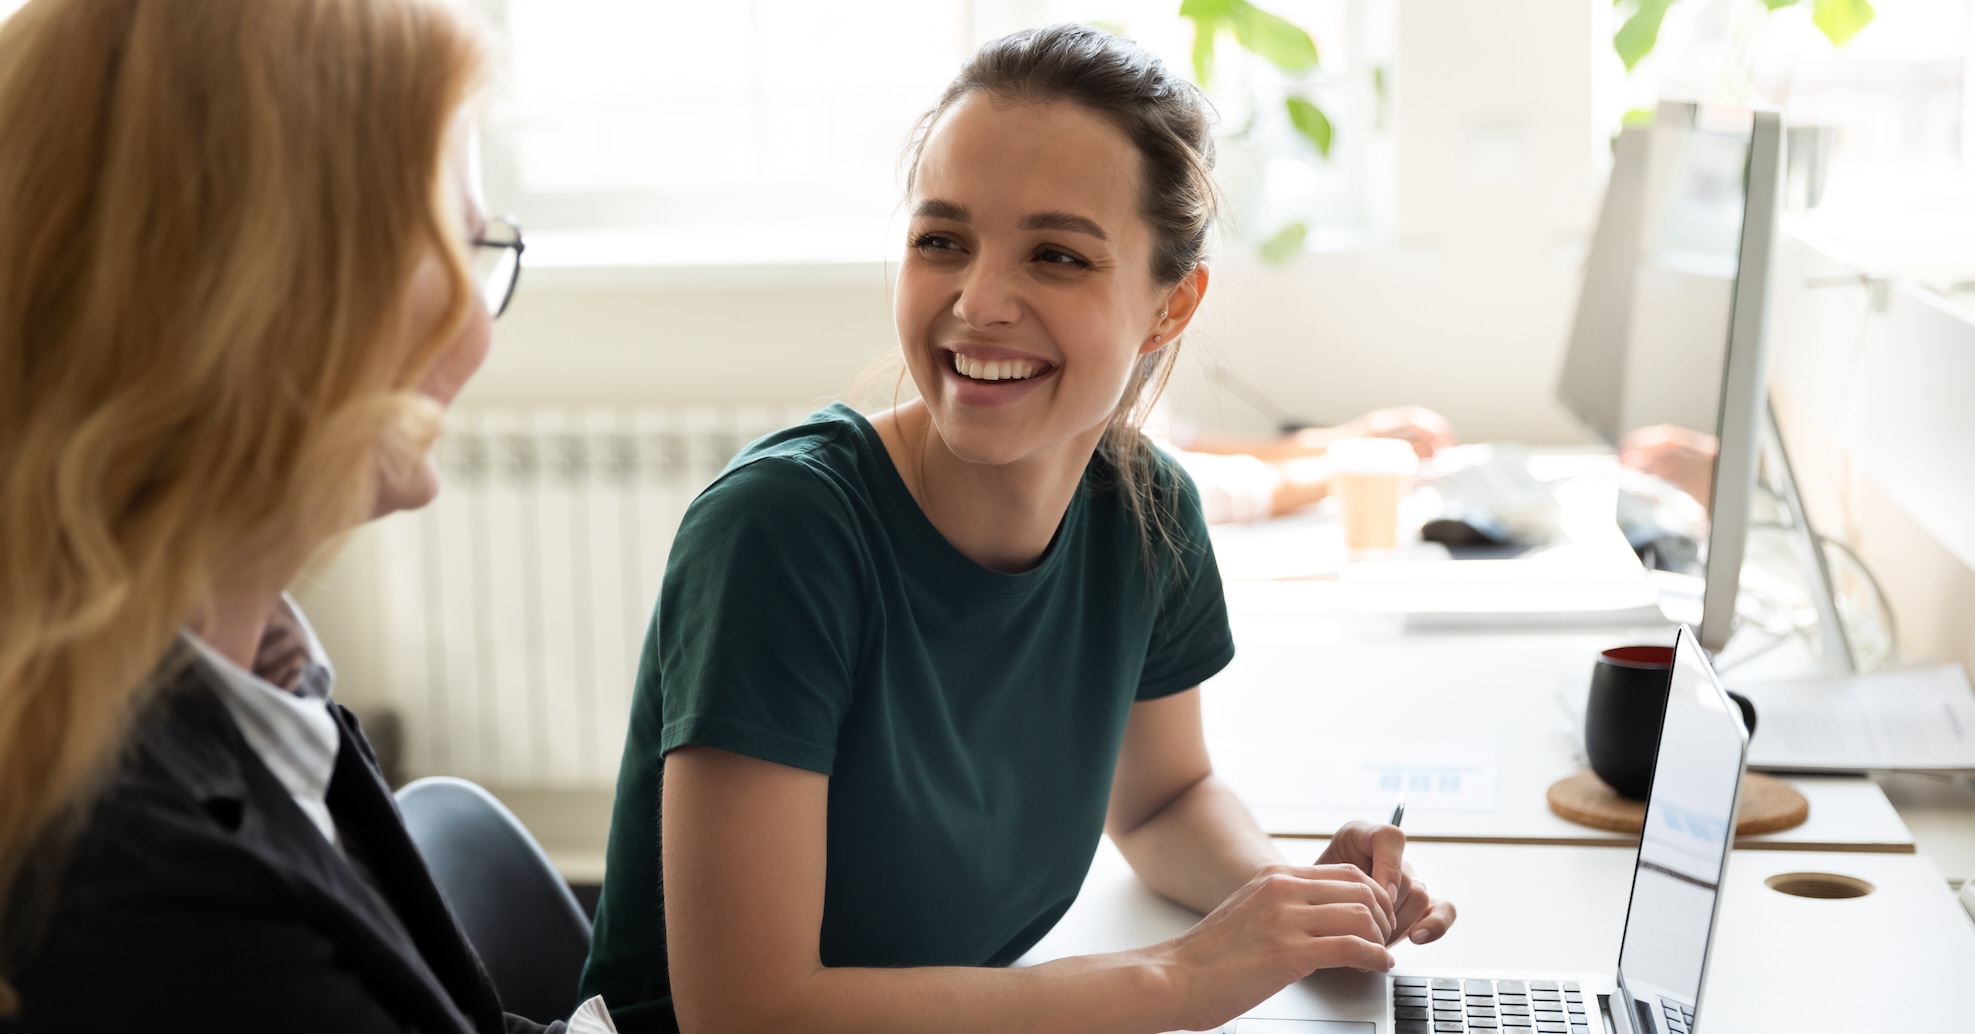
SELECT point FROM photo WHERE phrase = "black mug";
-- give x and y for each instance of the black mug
(1623, 715)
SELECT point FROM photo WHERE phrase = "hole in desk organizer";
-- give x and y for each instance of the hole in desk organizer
(1826, 885)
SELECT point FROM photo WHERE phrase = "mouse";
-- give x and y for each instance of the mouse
(1466, 529)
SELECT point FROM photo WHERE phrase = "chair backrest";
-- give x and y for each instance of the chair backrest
(517, 911)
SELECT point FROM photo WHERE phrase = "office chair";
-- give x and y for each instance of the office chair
(517, 911)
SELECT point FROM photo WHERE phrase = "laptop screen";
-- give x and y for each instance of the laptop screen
(1689, 821)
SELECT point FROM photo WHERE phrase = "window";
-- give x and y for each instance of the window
(771, 130)
(1888, 110)
(1894, 97)
(733, 123)
(1272, 176)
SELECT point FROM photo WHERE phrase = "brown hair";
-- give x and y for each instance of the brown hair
(212, 212)
(1170, 123)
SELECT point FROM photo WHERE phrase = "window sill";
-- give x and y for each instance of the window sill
(833, 253)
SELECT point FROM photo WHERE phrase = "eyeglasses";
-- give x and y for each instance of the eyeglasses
(497, 262)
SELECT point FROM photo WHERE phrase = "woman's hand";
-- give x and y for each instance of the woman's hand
(1422, 428)
(1284, 924)
(1379, 851)
(1683, 458)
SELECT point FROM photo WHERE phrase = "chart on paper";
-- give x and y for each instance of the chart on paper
(1363, 777)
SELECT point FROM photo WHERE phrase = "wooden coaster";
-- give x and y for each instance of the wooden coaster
(1769, 805)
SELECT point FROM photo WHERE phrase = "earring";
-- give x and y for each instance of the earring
(1162, 314)
(1156, 338)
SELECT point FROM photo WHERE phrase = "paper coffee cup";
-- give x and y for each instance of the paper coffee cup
(1368, 477)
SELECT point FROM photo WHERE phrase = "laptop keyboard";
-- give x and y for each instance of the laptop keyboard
(1440, 1005)
(1679, 1018)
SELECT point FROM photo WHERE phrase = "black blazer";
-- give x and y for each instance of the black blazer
(199, 897)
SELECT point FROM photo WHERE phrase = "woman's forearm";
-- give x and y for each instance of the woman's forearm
(1199, 848)
(1131, 992)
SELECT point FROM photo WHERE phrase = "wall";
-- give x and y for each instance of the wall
(1873, 384)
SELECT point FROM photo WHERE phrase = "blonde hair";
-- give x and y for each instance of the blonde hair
(212, 211)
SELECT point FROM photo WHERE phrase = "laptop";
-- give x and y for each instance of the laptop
(1669, 924)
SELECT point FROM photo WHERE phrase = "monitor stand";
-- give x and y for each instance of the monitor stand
(1837, 653)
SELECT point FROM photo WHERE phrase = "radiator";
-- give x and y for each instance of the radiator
(515, 606)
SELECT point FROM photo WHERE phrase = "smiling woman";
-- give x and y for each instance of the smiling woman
(905, 670)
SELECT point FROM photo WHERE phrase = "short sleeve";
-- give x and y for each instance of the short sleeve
(1191, 640)
(757, 630)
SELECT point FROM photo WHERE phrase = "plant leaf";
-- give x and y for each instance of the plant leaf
(1203, 52)
(1276, 40)
(1382, 102)
(1635, 39)
(1286, 243)
(1841, 19)
(1640, 117)
(1779, 4)
(1310, 121)
(1209, 17)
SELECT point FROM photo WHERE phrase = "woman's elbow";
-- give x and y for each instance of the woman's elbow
(747, 1006)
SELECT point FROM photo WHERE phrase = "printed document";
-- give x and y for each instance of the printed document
(1921, 718)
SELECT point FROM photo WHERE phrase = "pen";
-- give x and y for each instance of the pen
(1399, 810)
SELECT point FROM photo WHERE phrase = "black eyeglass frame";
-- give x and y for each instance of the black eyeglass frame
(519, 247)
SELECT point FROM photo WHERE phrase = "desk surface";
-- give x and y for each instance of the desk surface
(1322, 719)
(1940, 809)
(1884, 962)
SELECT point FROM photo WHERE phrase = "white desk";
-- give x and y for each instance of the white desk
(1940, 810)
(1889, 961)
(1314, 700)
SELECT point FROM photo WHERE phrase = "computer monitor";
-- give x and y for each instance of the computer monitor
(1667, 349)
(1593, 383)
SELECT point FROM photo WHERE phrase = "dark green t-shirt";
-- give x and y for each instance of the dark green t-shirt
(968, 719)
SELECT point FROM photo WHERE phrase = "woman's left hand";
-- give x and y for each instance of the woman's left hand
(1380, 850)
(1422, 428)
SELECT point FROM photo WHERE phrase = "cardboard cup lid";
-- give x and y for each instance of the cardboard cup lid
(1372, 456)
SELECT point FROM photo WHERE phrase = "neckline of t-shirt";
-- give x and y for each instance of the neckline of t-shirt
(926, 536)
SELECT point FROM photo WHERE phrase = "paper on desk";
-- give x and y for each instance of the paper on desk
(1297, 546)
(1922, 718)
(1544, 592)
(1279, 774)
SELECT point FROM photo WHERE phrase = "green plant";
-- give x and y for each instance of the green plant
(1289, 48)
(1839, 20)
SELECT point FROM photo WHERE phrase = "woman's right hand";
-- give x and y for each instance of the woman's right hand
(1284, 924)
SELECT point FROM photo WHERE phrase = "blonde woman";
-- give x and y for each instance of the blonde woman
(237, 287)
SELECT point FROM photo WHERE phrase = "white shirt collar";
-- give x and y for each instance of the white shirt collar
(293, 732)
